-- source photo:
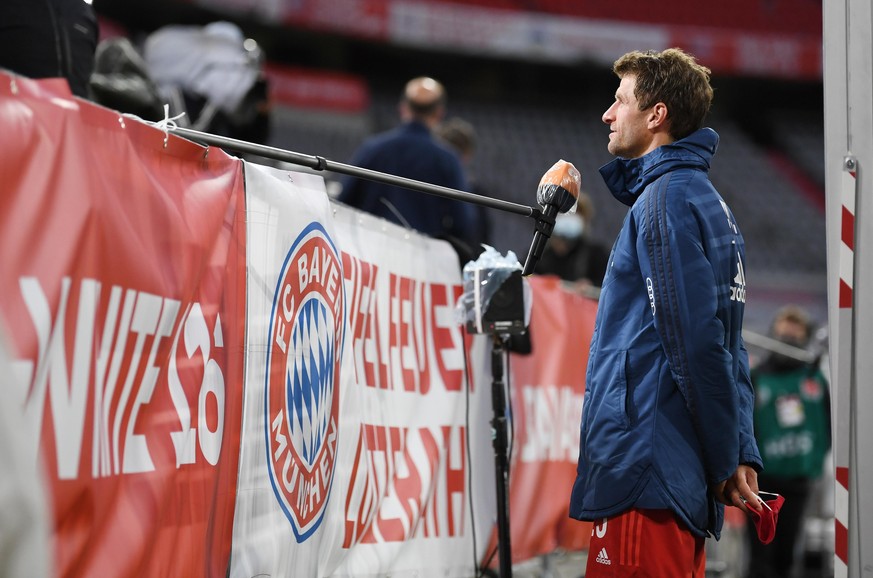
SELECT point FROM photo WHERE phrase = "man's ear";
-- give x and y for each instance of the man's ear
(658, 116)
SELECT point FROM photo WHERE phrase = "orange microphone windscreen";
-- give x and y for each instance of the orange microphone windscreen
(564, 175)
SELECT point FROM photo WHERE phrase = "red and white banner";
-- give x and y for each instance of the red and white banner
(120, 260)
(295, 337)
(254, 380)
(422, 452)
(355, 436)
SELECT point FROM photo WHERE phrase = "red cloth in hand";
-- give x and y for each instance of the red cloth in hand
(765, 518)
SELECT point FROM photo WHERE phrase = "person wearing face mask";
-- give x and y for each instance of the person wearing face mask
(572, 254)
(792, 427)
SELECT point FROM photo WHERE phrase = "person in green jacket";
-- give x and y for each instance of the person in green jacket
(792, 427)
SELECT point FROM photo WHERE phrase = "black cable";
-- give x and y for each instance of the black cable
(470, 458)
(508, 375)
(394, 211)
(484, 567)
(480, 571)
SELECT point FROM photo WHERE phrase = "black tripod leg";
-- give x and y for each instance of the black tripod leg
(501, 460)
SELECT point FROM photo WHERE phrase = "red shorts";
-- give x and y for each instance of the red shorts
(644, 544)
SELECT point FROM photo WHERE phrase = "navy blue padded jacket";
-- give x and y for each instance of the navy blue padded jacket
(668, 401)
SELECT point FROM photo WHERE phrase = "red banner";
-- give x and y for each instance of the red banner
(123, 292)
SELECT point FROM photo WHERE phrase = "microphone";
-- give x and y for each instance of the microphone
(557, 193)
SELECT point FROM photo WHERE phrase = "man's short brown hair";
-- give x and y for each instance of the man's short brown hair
(674, 78)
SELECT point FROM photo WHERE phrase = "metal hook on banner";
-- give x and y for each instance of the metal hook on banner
(322, 164)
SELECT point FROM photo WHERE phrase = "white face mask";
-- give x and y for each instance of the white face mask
(569, 226)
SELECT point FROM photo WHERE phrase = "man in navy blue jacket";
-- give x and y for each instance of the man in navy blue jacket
(666, 436)
(411, 151)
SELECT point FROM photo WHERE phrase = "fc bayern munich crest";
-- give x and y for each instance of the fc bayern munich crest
(301, 401)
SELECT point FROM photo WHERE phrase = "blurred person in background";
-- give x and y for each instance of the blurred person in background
(411, 150)
(49, 39)
(572, 254)
(666, 437)
(792, 426)
(461, 136)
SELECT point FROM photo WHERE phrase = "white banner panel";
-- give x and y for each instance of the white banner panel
(356, 449)
(410, 515)
(288, 510)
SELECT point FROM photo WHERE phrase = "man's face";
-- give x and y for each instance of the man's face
(629, 135)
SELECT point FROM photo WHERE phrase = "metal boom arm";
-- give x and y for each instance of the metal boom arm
(322, 164)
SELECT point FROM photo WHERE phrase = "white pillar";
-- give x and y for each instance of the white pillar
(848, 97)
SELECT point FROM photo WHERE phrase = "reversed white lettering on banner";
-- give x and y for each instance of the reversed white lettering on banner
(404, 334)
(552, 415)
(406, 483)
(130, 330)
(196, 338)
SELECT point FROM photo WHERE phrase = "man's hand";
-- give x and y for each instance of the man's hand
(740, 490)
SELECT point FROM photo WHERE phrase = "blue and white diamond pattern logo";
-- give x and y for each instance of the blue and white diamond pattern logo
(310, 379)
(301, 396)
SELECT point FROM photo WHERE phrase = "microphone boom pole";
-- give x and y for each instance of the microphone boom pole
(322, 164)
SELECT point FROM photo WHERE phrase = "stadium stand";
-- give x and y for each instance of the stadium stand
(331, 135)
(799, 134)
(764, 15)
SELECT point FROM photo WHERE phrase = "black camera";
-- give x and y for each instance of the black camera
(494, 300)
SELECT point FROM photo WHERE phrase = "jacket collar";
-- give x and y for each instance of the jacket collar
(628, 178)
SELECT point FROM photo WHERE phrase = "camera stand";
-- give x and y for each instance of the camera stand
(501, 460)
